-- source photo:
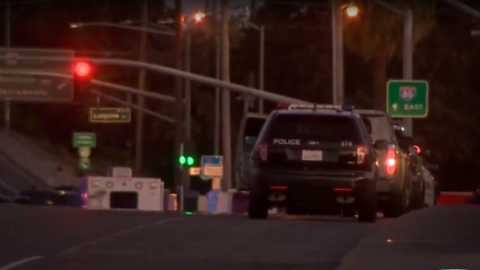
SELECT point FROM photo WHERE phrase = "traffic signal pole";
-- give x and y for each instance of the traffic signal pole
(165, 70)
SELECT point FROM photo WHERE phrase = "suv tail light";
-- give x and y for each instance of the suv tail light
(391, 162)
(362, 153)
(262, 151)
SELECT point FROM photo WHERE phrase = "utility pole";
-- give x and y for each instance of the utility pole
(141, 87)
(226, 117)
(178, 92)
(7, 44)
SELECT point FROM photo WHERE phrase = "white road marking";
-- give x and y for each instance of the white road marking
(120, 233)
(20, 262)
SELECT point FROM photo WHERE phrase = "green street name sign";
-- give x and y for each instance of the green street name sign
(23, 87)
(110, 115)
(407, 99)
(84, 139)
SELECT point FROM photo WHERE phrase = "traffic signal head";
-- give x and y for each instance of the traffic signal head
(187, 153)
(82, 69)
(186, 160)
(82, 75)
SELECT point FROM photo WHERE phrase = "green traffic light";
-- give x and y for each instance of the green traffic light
(182, 160)
(190, 161)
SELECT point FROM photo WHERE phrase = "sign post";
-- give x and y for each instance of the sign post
(22, 87)
(110, 115)
(84, 142)
(211, 167)
(407, 99)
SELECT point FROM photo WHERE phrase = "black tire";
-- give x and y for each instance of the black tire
(397, 205)
(418, 197)
(258, 204)
(367, 205)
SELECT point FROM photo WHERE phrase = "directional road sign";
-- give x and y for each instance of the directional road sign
(211, 167)
(23, 87)
(84, 139)
(110, 115)
(407, 99)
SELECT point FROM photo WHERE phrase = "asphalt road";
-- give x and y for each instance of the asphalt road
(13, 178)
(68, 238)
(65, 238)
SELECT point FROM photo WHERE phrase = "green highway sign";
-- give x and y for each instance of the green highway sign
(84, 139)
(110, 115)
(24, 87)
(84, 164)
(407, 99)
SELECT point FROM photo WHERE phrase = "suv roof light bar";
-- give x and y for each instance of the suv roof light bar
(317, 106)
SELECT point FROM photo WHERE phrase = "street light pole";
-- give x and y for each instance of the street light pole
(7, 44)
(261, 68)
(188, 91)
(218, 52)
(408, 59)
(226, 113)
(141, 87)
(178, 92)
(337, 53)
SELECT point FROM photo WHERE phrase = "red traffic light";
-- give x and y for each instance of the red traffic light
(82, 69)
(417, 149)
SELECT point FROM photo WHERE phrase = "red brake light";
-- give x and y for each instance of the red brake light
(361, 154)
(391, 162)
(262, 151)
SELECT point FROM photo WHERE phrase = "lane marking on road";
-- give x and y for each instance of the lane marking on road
(108, 237)
(20, 262)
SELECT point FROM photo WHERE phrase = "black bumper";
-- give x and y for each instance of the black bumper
(320, 188)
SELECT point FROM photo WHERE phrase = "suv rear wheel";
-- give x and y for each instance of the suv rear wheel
(398, 203)
(258, 204)
(367, 205)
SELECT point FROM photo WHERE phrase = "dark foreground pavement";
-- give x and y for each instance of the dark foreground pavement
(65, 238)
(442, 237)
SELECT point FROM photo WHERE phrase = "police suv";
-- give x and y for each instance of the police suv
(314, 159)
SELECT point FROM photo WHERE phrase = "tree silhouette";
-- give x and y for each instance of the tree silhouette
(376, 34)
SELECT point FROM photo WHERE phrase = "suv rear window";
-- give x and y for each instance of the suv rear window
(326, 128)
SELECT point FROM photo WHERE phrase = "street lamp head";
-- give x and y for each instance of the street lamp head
(199, 16)
(352, 11)
(75, 25)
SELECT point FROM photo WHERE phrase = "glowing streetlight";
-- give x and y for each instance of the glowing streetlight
(199, 16)
(352, 11)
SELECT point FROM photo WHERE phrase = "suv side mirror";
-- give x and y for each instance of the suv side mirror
(380, 145)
